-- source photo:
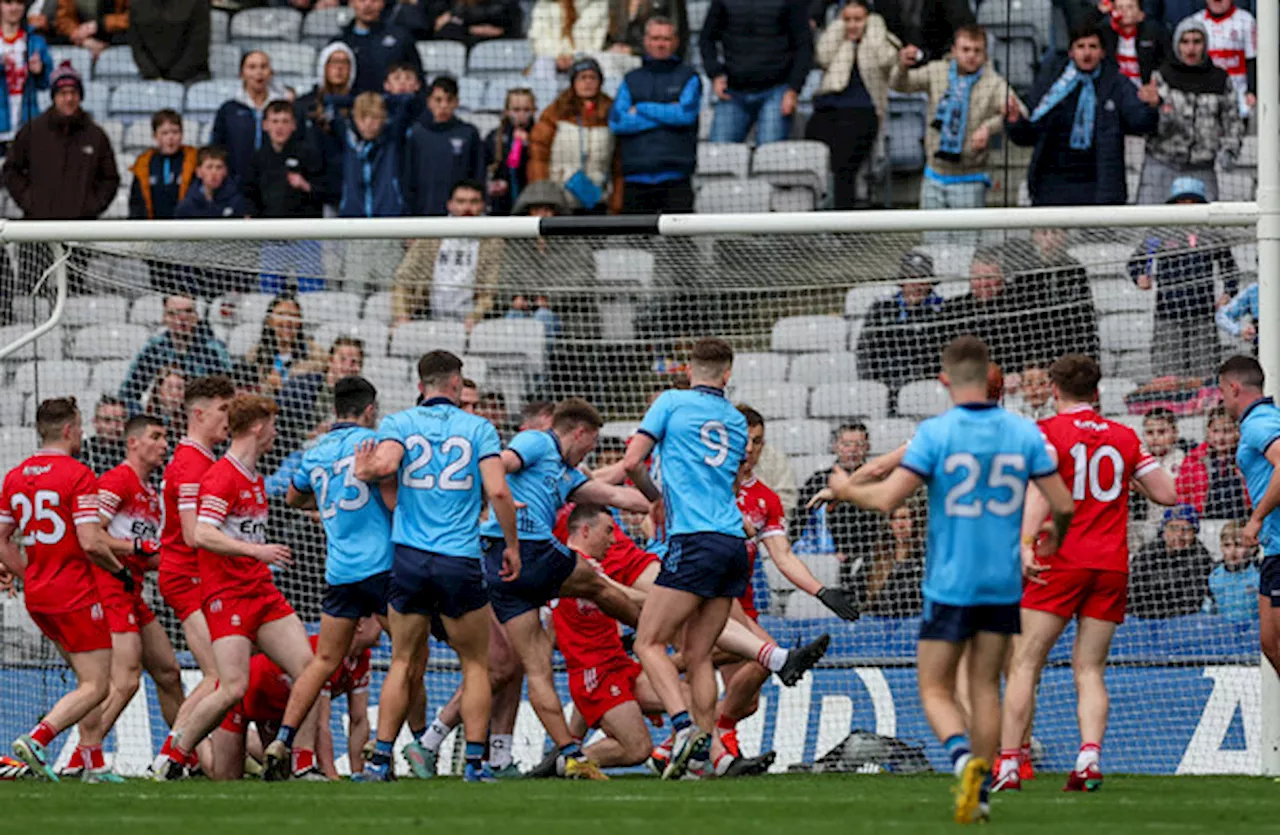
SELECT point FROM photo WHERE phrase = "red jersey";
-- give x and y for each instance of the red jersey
(351, 677)
(1233, 42)
(191, 461)
(234, 500)
(130, 509)
(1096, 458)
(623, 561)
(762, 508)
(586, 636)
(45, 497)
(267, 695)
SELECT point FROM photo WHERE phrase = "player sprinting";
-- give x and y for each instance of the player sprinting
(1087, 577)
(206, 401)
(130, 509)
(446, 462)
(242, 605)
(976, 460)
(51, 501)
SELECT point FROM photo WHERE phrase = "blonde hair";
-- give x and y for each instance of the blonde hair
(1231, 530)
(368, 104)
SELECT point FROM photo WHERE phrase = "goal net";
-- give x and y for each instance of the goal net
(837, 338)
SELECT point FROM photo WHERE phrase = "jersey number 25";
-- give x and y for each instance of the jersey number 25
(1007, 471)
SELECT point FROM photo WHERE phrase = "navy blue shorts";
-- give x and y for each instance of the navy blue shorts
(1269, 579)
(352, 601)
(544, 567)
(423, 583)
(709, 565)
(955, 624)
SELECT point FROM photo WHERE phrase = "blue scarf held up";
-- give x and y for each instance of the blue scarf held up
(1086, 106)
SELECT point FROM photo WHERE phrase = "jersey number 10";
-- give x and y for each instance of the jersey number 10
(1087, 468)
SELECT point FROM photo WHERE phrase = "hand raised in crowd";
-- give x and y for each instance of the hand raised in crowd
(908, 56)
(721, 86)
(1145, 282)
(1148, 94)
(1012, 110)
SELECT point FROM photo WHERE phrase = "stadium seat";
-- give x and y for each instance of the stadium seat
(328, 307)
(115, 65)
(618, 429)
(1239, 184)
(147, 310)
(293, 59)
(721, 161)
(136, 138)
(81, 59)
(224, 61)
(923, 398)
(816, 369)
(887, 434)
(806, 465)
(840, 401)
(752, 368)
(254, 26)
(796, 334)
(1211, 536)
(91, 310)
(321, 26)
(826, 570)
(1111, 394)
(500, 57)
(495, 91)
(1126, 344)
(220, 24)
(389, 380)
(377, 307)
(394, 369)
(374, 335)
(1102, 259)
(15, 445)
(860, 298)
(793, 164)
(1193, 428)
(114, 129)
(250, 308)
(113, 341)
(800, 437)
(905, 132)
(776, 401)
(56, 378)
(792, 199)
(734, 197)
(11, 409)
(484, 123)
(413, 339)
(1017, 55)
(243, 338)
(1034, 16)
(511, 342)
(1248, 157)
(447, 57)
(620, 265)
(97, 95)
(107, 375)
(205, 97)
(47, 347)
(801, 606)
(471, 93)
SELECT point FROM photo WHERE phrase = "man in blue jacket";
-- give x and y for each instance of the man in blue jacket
(28, 71)
(377, 45)
(186, 343)
(442, 150)
(655, 117)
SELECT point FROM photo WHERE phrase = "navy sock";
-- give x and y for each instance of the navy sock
(286, 735)
(984, 794)
(417, 735)
(681, 720)
(382, 753)
(475, 754)
(573, 749)
(957, 746)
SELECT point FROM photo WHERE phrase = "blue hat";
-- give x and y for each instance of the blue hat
(1187, 188)
(585, 64)
(1182, 513)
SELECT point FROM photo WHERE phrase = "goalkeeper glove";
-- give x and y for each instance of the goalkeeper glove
(840, 602)
(145, 547)
(125, 578)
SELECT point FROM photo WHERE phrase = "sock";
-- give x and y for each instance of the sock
(1090, 754)
(772, 657)
(681, 721)
(475, 754)
(44, 733)
(957, 747)
(189, 758)
(286, 735)
(1025, 752)
(663, 751)
(76, 760)
(500, 750)
(984, 793)
(1009, 760)
(723, 763)
(382, 753)
(728, 727)
(166, 750)
(434, 737)
(302, 759)
(573, 749)
(91, 756)
(417, 735)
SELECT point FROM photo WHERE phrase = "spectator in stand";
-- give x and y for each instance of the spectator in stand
(373, 158)
(849, 108)
(1199, 119)
(40, 15)
(27, 65)
(758, 54)
(1169, 577)
(1049, 281)
(572, 147)
(901, 337)
(453, 278)
(1081, 110)
(506, 151)
(377, 45)
(993, 312)
(283, 348)
(1243, 307)
(442, 149)
(655, 118)
(187, 342)
(286, 175)
(1036, 391)
(1138, 44)
(106, 448)
(1234, 583)
(165, 401)
(928, 24)
(170, 38)
(562, 29)
(1179, 264)
(93, 24)
(893, 582)
(473, 21)
(238, 124)
(1209, 480)
(1160, 435)
(162, 175)
(967, 100)
(544, 262)
(629, 20)
(1233, 46)
(306, 401)
(216, 193)
(318, 110)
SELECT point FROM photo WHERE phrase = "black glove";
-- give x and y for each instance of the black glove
(125, 578)
(145, 547)
(840, 602)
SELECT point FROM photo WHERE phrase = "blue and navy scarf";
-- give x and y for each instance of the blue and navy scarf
(952, 117)
(1086, 105)
(932, 302)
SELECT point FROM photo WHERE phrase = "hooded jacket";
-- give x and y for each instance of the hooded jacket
(36, 46)
(170, 38)
(439, 154)
(1199, 117)
(237, 126)
(317, 111)
(149, 197)
(376, 48)
(61, 168)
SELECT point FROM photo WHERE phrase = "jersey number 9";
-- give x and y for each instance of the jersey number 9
(715, 437)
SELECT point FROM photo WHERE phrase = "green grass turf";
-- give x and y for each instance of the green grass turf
(791, 804)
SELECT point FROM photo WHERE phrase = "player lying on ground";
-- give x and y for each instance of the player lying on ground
(51, 501)
(976, 460)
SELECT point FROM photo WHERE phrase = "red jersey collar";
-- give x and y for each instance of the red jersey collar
(192, 442)
(1216, 19)
(235, 462)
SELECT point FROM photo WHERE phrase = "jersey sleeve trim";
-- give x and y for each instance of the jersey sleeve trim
(647, 433)
(904, 465)
(1146, 467)
(392, 440)
(489, 455)
(768, 532)
(1274, 437)
(6, 518)
(1044, 474)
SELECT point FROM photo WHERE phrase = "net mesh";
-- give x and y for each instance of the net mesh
(837, 338)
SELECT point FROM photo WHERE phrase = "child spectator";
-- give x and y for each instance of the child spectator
(1209, 479)
(27, 64)
(286, 174)
(1169, 577)
(506, 151)
(215, 194)
(1243, 306)
(1233, 583)
(401, 79)
(442, 150)
(372, 156)
(1160, 435)
(163, 174)
(1036, 391)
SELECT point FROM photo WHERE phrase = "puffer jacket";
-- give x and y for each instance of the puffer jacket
(560, 135)
(1199, 116)
(587, 34)
(873, 56)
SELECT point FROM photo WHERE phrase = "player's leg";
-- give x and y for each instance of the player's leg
(701, 631)
(790, 665)
(231, 654)
(662, 619)
(160, 662)
(1040, 631)
(586, 583)
(1088, 666)
(533, 646)
(228, 755)
(126, 674)
(502, 724)
(284, 641)
(627, 741)
(409, 633)
(93, 684)
(986, 654)
(469, 637)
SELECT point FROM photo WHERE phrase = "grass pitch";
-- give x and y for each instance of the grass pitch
(784, 804)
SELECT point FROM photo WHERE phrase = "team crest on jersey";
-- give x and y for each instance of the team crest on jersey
(615, 690)
(95, 612)
(259, 496)
(235, 620)
(215, 606)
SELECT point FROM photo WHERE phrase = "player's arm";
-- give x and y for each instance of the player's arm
(614, 473)
(357, 728)
(11, 557)
(324, 737)
(209, 535)
(1060, 504)
(613, 495)
(493, 475)
(376, 461)
(1268, 501)
(1157, 485)
(879, 467)
(883, 496)
(301, 499)
(633, 463)
(147, 549)
(799, 575)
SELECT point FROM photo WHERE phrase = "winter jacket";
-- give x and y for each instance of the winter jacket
(316, 111)
(371, 171)
(564, 130)
(437, 156)
(1062, 318)
(497, 150)
(1182, 262)
(765, 43)
(237, 126)
(411, 293)
(873, 56)
(61, 168)
(900, 342)
(377, 47)
(588, 33)
(1168, 584)
(1119, 113)
(504, 14)
(659, 141)
(112, 17)
(227, 201)
(36, 46)
(170, 38)
(625, 29)
(1199, 117)
(931, 27)
(267, 192)
(150, 197)
(1151, 45)
(206, 355)
(1213, 485)
(1002, 322)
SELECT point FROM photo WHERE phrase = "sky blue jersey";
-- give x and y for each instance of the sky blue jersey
(440, 490)
(976, 460)
(701, 440)
(543, 484)
(1259, 429)
(356, 523)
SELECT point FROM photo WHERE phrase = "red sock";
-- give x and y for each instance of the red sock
(44, 733)
(76, 760)
(1014, 754)
(1092, 746)
(91, 756)
(726, 722)
(190, 758)
(1025, 752)
(166, 750)
(303, 760)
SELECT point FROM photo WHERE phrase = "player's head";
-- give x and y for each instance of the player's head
(1235, 554)
(1221, 433)
(590, 530)
(1075, 379)
(1159, 431)
(440, 375)
(253, 417)
(355, 399)
(470, 396)
(1241, 381)
(851, 442)
(145, 441)
(755, 437)
(577, 424)
(537, 414)
(58, 424)
(207, 400)
(1179, 528)
(368, 633)
(710, 363)
(965, 364)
